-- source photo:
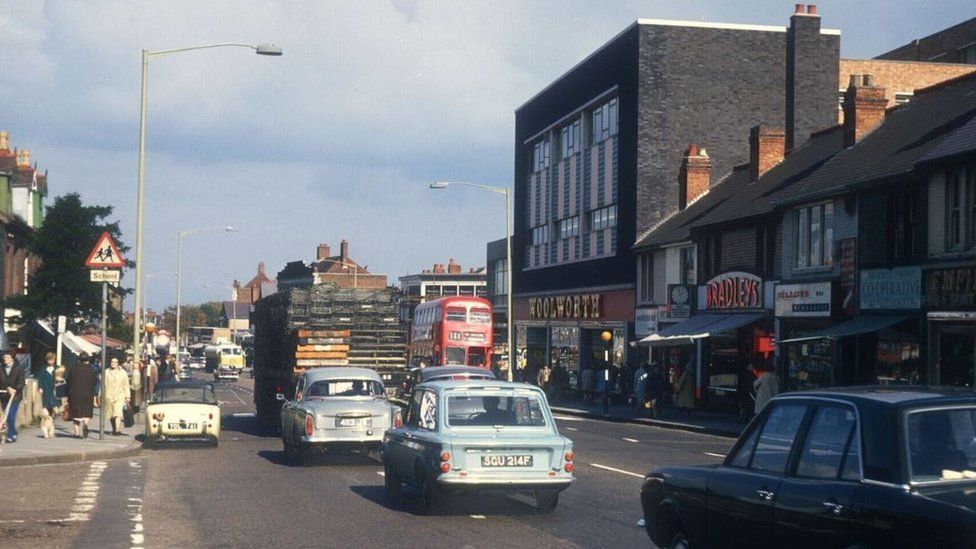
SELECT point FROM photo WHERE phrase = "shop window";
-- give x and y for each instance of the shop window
(815, 236)
(646, 268)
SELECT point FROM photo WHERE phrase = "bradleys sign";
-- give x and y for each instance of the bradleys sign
(734, 290)
(582, 306)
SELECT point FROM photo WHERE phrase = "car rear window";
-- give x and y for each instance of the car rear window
(344, 387)
(203, 395)
(493, 410)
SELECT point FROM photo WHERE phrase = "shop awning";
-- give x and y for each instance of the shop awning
(698, 327)
(862, 324)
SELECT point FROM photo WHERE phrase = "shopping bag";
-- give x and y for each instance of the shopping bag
(127, 419)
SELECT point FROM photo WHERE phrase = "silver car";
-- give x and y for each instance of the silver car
(335, 409)
(478, 436)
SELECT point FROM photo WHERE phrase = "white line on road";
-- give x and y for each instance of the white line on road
(480, 517)
(567, 418)
(238, 397)
(615, 470)
(381, 473)
(715, 455)
(571, 428)
(629, 439)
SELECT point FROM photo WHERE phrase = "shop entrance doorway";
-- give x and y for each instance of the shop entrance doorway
(957, 356)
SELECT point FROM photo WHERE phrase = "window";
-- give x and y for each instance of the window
(776, 439)
(603, 122)
(569, 139)
(743, 454)
(828, 437)
(498, 275)
(815, 236)
(646, 265)
(903, 226)
(604, 218)
(491, 410)
(903, 97)
(967, 54)
(540, 155)
(688, 273)
(454, 355)
(480, 316)
(540, 235)
(954, 201)
(456, 314)
(940, 444)
(569, 227)
(343, 388)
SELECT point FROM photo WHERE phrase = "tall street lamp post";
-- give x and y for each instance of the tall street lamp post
(263, 49)
(508, 260)
(179, 271)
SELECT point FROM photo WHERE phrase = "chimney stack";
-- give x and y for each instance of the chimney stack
(4, 141)
(23, 158)
(695, 176)
(767, 147)
(438, 268)
(344, 250)
(864, 108)
(323, 251)
(453, 267)
(261, 268)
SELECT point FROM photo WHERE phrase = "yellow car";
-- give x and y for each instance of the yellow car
(185, 410)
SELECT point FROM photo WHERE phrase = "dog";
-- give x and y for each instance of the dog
(47, 423)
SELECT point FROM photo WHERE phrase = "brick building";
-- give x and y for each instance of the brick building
(599, 151)
(251, 292)
(326, 268)
(898, 78)
(956, 44)
(440, 281)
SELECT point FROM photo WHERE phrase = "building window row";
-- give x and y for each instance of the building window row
(603, 218)
(568, 227)
(570, 140)
(815, 236)
(498, 277)
(961, 209)
(604, 121)
(540, 235)
(540, 154)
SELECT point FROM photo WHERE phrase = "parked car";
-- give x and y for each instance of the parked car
(183, 411)
(417, 376)
(334, 410)
(184, 373)
(851, 467)
(478, 436)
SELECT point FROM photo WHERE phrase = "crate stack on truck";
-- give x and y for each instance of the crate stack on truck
(323, 326)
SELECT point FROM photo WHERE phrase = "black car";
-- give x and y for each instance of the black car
(852, 467)
(432, 373)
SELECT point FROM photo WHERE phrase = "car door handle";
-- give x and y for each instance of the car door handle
(833, 508)
(765, 494)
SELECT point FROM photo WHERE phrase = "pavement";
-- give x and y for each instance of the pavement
(32, 448)
(696, 421)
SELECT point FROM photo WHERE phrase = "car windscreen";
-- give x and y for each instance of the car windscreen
(942, 444)
(344, 388)
(486, 410)
(202, 395)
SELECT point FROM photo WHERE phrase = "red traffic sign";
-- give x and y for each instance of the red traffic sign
(106, 254)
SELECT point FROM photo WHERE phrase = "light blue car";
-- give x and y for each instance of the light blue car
(478, 436)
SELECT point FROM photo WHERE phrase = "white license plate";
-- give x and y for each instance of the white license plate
(183, 426)
(506, 461)
(354, 422)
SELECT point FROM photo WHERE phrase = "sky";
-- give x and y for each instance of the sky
(338, 138)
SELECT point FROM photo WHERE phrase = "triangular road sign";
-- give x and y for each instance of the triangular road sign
(106, 254)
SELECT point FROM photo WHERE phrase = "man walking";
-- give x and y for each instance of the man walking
(766, 386)
(11, 392)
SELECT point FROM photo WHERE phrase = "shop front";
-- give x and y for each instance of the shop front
(731, 330)
(801, 310)
(950, 314)
(566, 331)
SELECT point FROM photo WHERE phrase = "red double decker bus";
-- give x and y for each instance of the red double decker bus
(451, 330)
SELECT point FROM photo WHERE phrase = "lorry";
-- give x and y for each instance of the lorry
(321, 326)
(224, 360)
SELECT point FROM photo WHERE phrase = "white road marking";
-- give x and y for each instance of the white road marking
(571, 428)
(479, 517)
(715, 455)
(567, 418)
(242, 414)
(238, 397)
(615, 470)
(381, 473)
(630, 439)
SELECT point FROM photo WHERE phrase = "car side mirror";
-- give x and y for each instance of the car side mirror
(280, 396)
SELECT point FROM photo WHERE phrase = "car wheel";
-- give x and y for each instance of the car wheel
(392, 484)
(679, 540)
(429, 498)
(547, 501)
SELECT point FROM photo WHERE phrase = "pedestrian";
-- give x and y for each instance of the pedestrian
(152, 377)
(117, 394)
(559, 379)
(743, 391)
(81, 382)
(684, 390)
(640, 379)
(171, 368)
(11, 392)
(162, 369)
(654, 389)
(766, 386)
(135, 383)
(542, 377)
(45, 385)
(586, 384)
(96, 365)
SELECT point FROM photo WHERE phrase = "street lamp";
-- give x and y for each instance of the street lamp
(261, 49)
(179, 271)
(233, 296)
(508, 260)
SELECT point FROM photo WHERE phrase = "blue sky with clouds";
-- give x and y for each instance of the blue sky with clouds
(339, 137)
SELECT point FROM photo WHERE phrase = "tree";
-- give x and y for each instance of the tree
(214, 310)
(61, 285)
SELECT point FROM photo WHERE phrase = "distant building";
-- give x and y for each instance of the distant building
(899, 79)
(439, 282)
(956, 44)
(236, 315)
(495, 275)
(252, 291)
(340, 270)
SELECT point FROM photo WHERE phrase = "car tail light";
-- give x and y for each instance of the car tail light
(210, 415)
(309, 425)
(569, 456)
(397, 420)
(445, 467)
(569, 467)
(445, 456)
(158, 416)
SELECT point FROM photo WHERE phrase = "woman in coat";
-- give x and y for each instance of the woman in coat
(45, 384)
(80, 379)
(684, 390)
(135, 383)
(117, 394)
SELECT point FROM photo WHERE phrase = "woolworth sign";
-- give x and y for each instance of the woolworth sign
(578, 306)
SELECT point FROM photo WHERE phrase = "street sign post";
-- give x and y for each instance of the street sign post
(104, 261)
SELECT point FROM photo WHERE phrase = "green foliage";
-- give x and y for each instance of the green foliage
(61, 284)
(213, 310)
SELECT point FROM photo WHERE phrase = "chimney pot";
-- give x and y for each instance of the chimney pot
(261, 267)
(812, 9)
(344, 250)
(4, 141)
(693, 149)
(23, 158)
(767, 147)
(695, 177)
(323, 251)
(798, 9)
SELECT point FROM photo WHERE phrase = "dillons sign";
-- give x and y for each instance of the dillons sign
(734, 290)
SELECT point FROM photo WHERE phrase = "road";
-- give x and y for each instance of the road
(243, 495)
